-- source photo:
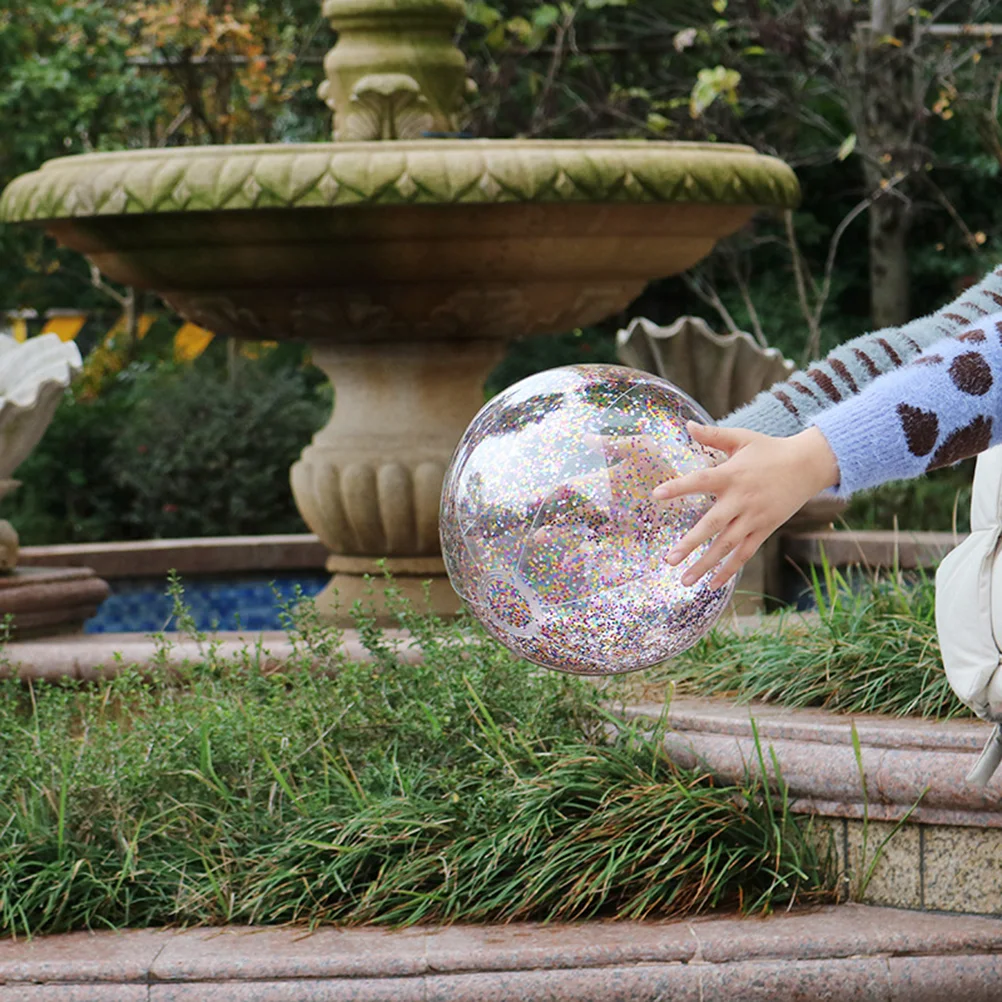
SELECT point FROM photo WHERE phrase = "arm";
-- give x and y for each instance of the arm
(789, 407)
(943, 407)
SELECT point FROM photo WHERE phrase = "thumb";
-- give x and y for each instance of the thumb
(727, 440)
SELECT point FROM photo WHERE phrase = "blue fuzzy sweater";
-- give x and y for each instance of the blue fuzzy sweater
(899, 401)
(943, 406)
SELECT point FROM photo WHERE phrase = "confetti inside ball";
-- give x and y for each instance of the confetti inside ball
(550, 534)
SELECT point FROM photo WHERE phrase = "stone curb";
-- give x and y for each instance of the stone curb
(89, 656)
(872, 548)
(912, 767)
(218, 555)
(847, 952)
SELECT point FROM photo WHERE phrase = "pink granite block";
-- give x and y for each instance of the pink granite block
(643, 983)
(935, 777)
(973, 978)
(532, 946)
(905, 762)
(81, 956)
(810, 770)
(294, 990)
(843, 931)
(838, 931)
(853, 980)
(270, 954)
(74, 993)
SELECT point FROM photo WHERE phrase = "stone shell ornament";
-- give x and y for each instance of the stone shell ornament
(549, 532)
(33, 376)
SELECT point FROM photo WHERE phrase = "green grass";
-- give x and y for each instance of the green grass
(466, 788)
(872, 650)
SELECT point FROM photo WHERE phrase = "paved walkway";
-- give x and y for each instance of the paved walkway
(840, 953)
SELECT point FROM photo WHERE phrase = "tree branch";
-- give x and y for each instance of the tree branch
(710, 297)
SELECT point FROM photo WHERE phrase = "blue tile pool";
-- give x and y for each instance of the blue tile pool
(141, 605)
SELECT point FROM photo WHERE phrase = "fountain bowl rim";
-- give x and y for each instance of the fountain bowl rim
(419, 172)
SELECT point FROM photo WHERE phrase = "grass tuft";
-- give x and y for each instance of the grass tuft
(871, 649)
(469, 787)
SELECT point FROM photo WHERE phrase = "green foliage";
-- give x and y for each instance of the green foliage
(467, 787)
(169, 451)
(205, 451)
(937, 502)
(534, 354)
(65, 87)
(66, 493)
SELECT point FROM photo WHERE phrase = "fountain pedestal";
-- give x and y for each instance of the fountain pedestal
(369, 484)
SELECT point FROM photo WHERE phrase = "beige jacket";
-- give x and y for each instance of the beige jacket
(969, 610)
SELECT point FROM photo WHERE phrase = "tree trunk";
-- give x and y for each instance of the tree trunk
(886, 124)
(889, 281)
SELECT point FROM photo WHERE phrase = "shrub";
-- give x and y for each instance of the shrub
(66, 493)
(167, 451)
(205, 453)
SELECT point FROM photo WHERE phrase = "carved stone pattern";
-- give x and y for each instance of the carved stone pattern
(368, 508)
(484, 312)
(384, 106)
(437, 172)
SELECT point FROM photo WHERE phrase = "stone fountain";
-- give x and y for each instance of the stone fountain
(407, 263)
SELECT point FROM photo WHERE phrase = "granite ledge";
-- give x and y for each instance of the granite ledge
(835, 952)
(911, 767)
(87, 657)
(873, 548)
(211, 555)
(233, 953)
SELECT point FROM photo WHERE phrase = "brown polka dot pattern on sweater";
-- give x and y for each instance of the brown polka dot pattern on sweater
(921, 429)
(971, 374)
(868, 362)
(786, 402)
(891, 353)
(928, 360)
(968, 441)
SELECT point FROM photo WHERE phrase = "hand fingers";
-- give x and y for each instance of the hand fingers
(727, 440)
(701, 482)
(721, 546)
(713, 522)
(738, 558)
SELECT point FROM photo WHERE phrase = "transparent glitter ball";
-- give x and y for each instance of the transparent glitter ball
(549, 532)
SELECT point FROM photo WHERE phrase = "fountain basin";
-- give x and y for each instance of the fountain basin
(408, 266)
(449, 239)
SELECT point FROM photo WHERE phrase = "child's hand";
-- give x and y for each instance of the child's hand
(757, 488)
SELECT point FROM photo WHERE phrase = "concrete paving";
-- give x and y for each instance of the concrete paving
(847, 952)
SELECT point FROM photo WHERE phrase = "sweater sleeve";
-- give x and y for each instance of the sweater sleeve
(941, 408)
(789, 407)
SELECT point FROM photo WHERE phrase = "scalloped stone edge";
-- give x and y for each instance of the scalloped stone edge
(442, 172)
